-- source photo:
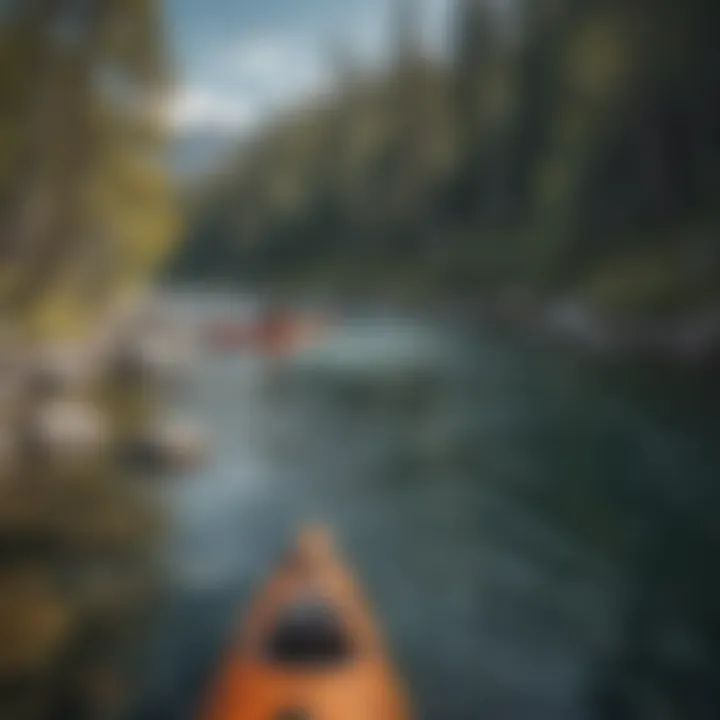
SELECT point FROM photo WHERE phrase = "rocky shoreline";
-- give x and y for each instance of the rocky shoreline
(82, 424)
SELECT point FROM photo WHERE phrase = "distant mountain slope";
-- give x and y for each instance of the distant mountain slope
(196, 152)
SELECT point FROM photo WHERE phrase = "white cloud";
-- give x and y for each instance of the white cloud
(249, 79)
(241, 83)
(205, 107)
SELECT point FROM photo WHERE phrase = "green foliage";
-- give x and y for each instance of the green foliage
(85, 212)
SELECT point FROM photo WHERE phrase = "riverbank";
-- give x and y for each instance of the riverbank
(684, 340)
(84, 424)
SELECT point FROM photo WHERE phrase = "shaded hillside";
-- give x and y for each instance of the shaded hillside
(578, 156)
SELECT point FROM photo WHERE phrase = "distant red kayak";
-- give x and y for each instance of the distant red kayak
(274, 336)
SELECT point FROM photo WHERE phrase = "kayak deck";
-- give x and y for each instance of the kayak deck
(308, 649)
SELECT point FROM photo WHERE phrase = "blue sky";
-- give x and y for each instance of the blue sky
(240, 61)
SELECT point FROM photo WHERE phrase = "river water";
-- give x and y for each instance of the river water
(504, 506)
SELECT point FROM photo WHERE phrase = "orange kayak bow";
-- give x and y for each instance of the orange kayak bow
(309, 649)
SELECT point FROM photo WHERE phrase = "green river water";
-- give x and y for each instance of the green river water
(536, 530)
